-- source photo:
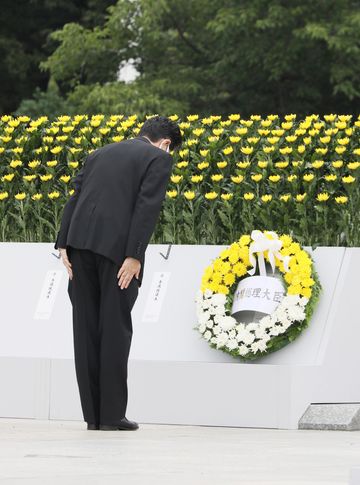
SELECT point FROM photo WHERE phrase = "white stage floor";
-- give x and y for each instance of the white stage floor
(65, 453)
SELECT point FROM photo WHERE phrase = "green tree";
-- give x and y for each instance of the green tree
(24, 41)
(214, 56)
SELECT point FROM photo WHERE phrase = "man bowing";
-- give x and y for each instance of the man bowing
(105, 228)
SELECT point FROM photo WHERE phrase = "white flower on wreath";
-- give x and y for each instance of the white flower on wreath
(296, 313)
(207, 335)
(207, 305)
(259, 345)
(243, 350)
(202, 327)
(231, 344)
(219, 310)
(227, 323)
(260, 332)
(252, 326)
(210, 323)
(216, 329)
(276, 330)
(222, 339)
(249, 338)
(218, 299)
(204, 317)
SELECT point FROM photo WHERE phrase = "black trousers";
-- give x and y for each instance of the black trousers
(102, 332)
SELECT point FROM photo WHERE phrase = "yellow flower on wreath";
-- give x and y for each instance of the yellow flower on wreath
(233, 263)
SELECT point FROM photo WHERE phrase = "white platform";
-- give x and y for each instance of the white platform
(43, 452)
(174, 376)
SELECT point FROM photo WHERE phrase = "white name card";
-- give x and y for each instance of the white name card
(156, 296)
(48, 294)
(258, 293)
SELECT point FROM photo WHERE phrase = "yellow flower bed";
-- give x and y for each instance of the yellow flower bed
(276, 170)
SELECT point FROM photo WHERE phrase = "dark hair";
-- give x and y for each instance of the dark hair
(158, 127)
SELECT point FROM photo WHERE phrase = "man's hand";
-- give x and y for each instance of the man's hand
(66, 261)
(130, 267)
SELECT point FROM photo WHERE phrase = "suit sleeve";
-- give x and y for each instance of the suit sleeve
(148, 205)
(69, 209)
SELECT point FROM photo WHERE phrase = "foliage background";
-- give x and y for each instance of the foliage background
(202, 56)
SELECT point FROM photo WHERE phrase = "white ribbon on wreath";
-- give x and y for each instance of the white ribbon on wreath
(260, 244)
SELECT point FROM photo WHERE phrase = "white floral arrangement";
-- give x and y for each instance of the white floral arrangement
(252, 340)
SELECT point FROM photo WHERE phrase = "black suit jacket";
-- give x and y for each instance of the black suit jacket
(117, 200)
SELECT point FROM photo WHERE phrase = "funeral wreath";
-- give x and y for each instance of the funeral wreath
(236, 283)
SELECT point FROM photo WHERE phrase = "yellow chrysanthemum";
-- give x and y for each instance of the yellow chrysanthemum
(54, 195)
(239, 269)
(243, 165)
(308, 177)
(237, 179)
(217, 177)
(202, 165)
(330, 177)
(228, 150)
(247, 150)
(229, 279)
(274, 178)
(56, 150)
(227, 196)
(211, 195)
(172, 193)
(29, 178)
(300, 197)
(8, 177)
(196, 178)
(323, 197)
(342, 199)
(349, 179)
(189, 195)
(175, 179)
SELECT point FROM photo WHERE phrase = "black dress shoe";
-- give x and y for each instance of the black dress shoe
(92, 426)
(124, 424)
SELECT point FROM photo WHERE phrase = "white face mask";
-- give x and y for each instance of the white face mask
(167, 148)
